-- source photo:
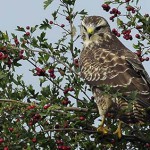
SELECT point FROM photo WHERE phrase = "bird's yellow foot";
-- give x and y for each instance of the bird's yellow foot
(118, 131)
(103, 129)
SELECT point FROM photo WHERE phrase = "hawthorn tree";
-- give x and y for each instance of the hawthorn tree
(60, 113)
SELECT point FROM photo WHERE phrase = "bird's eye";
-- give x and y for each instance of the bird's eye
(98, 28)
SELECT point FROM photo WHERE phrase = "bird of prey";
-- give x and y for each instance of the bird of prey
(115, 74)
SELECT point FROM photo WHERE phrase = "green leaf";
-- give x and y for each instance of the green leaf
(45, 25)
(83, 12)
(119, 22)
(33, 28)
(47, 3)
(2, 75)
(20, 29)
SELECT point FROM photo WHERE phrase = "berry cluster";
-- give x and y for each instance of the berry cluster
(127, 35)
(34, 119)
(65, 102)
(61, 145)
(11, 129)
(76, 63)
(115, 32)
(131, 9)
(51, 72)
(68, 89)
(3, 56)
(40, 72)
(16, 41)
(115, 13)
(140, 56)
(21, 54)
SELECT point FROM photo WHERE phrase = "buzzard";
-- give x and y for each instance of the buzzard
(116, 76)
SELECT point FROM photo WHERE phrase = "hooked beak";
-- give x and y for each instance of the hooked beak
(90, 31)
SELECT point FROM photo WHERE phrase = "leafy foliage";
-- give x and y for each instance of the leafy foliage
(59, 112)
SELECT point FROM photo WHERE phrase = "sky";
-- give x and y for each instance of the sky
(28, 12)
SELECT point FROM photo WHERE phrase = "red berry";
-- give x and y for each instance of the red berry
(62, 25)
(114, 30)
(138, 53)
(59, 147)
(40, 72)
(31, 107)
(65, 91)
(27, 27)
(31, 123)
(137, 36)
(147, 145)
(65, 102)
(141, 59)
(27, 33)
(1, 140)
(34, 140)
(59, 142)
(147, 58)
(138, 27)
(51, 22)
(5, 148)
(130, 8)
(51, 70)
(57, 126)
(118, 35)
(106, 7)
(64, 147)
(68, 18)
(82, 118)
(112, 18)
(46, 106)
(52, 75)
(133, 11)
(70, 89)
(127, 0)
(11, 129)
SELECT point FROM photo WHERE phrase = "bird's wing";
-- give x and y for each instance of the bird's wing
(120, 69)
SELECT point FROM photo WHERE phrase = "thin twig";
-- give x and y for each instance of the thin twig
(71, 129)
(79, 109)
(64, 108)
(130, 138)
(13, 101)
(44, 51)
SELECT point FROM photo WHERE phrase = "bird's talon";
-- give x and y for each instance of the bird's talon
(118, 132)
(103, 130)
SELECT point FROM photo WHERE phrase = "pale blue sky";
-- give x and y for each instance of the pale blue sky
(28, 12)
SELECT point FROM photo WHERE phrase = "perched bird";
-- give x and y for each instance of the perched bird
(115, 74)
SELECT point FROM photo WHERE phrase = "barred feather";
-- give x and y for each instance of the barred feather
(106, 61)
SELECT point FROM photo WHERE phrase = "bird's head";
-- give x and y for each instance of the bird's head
(95, 29)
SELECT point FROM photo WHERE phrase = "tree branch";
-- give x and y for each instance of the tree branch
(109, 137)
